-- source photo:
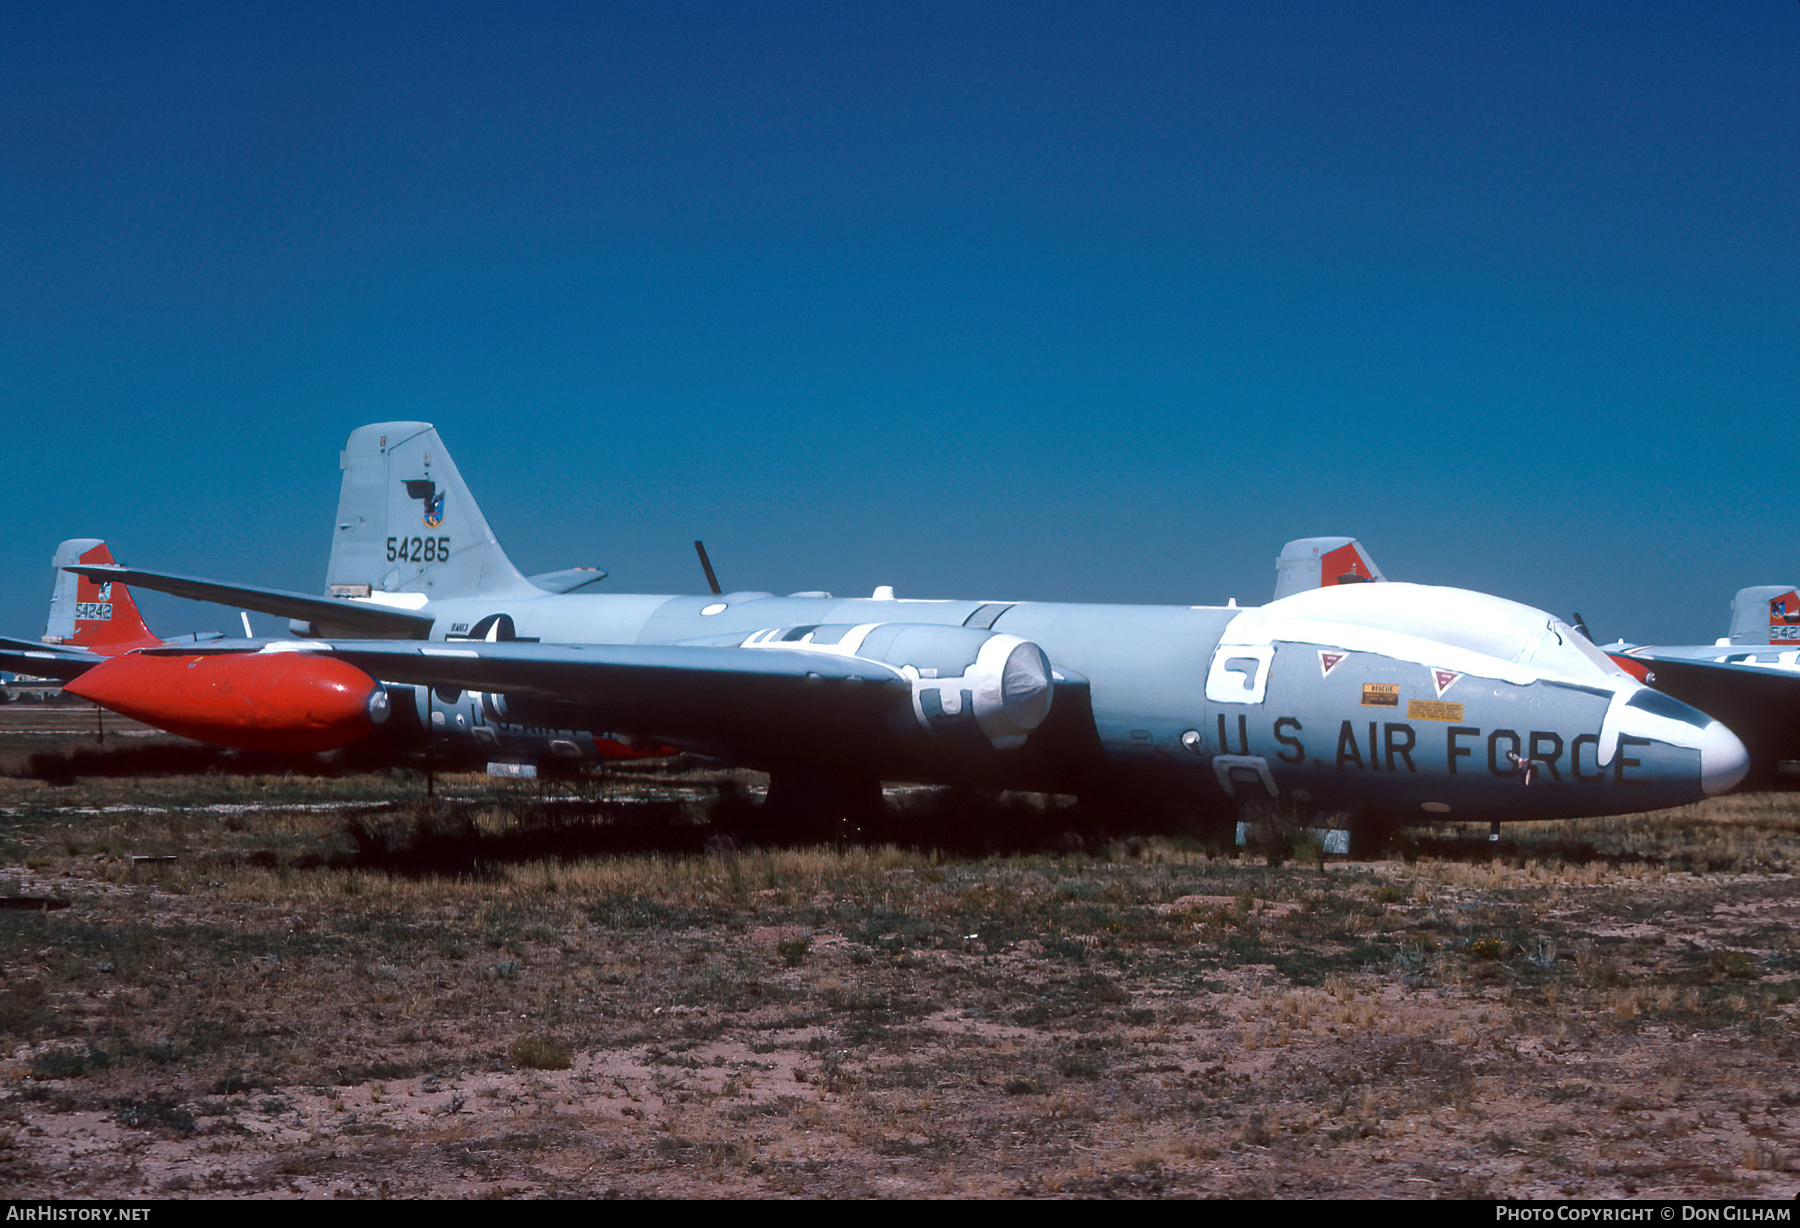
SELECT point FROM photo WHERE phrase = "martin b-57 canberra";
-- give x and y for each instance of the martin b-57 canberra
(1391, 702)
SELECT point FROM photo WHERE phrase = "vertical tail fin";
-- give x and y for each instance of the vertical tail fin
(1769, 614)
(100, 616)
(407, 524)
(1320, 562)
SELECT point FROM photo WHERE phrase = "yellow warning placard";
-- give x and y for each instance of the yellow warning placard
(1381, 695)
(1432, 710)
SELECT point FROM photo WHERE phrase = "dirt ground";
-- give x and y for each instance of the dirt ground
(313, 987)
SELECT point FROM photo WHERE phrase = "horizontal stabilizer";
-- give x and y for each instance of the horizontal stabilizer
(45, 660)
(329, 615)
(569, 580)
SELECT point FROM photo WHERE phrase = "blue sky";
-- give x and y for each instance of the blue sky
(1082, 302)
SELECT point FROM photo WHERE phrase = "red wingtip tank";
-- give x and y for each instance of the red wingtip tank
(284, 702)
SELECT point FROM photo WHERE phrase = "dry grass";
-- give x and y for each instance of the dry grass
(292, 1006)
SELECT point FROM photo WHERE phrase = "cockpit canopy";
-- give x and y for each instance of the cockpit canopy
(1472, 622)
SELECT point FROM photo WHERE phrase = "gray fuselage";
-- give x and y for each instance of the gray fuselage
(1166, 707)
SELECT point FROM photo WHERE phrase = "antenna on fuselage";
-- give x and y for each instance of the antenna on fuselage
(706, 565)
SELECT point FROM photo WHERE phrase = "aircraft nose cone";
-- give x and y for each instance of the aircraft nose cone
(1642, 717)
(1723, 760)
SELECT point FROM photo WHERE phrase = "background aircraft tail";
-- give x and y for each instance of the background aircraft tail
(407, 524)
(1769, 614)
(98, 615)
(1320, 562)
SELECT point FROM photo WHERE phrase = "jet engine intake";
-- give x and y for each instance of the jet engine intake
(1006, 690)
(967, 684)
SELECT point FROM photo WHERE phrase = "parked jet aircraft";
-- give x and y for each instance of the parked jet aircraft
(1749, 678)
(1394, 701)
(91, 622)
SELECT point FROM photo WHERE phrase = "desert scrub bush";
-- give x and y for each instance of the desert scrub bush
(1598, 970)
(161, 1115)
(1731, 965)
(793, 950)
(540, 1053)
(68, 1063)
(1080, 1066)
(1226, 916)
(24, 1008)
(1413, 960)
(1096, 988)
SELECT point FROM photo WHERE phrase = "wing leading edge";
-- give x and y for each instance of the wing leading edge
(758, 704)
(332, 615)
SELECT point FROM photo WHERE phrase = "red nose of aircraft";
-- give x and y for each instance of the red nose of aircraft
(287, 702)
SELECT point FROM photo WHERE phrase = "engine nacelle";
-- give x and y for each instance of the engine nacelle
(972, 688)
(965, 681)
(517, 726)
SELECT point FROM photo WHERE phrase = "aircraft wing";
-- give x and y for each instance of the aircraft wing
(759, 703)
(333, 615)
(45, 660)
(1759, 703)
(696, 696)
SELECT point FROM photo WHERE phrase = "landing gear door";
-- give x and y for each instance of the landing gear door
(1243, 775)
(1239, 674)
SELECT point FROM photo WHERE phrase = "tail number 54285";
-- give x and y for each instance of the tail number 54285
(418, 549)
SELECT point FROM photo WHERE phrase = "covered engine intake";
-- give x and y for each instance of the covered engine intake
(964, 680)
